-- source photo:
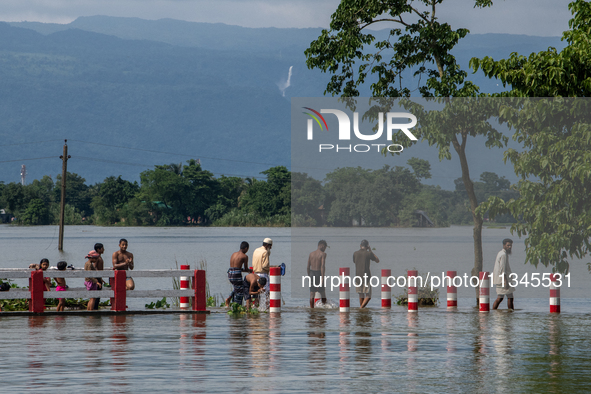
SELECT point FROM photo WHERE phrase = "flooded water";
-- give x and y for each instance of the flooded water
(299, 350)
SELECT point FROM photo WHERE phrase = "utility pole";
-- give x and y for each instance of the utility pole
(64, 158)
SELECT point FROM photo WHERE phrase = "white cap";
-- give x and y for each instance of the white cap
(268, 241)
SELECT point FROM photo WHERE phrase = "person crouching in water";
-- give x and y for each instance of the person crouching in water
(61, 286)
(91, 283)
(253, 286)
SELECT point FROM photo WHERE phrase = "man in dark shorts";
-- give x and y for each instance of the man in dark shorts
(316, 267)
(253, 286)
(100, 265)
(238, 265)
(362, 259)
(123, 260)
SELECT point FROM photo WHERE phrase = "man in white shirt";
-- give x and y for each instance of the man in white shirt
(501, 275)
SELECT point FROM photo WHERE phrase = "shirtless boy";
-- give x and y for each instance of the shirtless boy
(123, 260)
(238, 265)
(253, 286)
(316, 266)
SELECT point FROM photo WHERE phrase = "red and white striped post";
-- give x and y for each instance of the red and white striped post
(185, 284)
(386, 290)
(344, 301)
(484, 299)
(275, 289)
(554, 294)
(317, 297)
(413, 293)
(452, 291)
(200, 297)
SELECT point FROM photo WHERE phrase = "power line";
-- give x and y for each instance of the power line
(28, 143)
(36, 158)
(175, 154)
(151, 165)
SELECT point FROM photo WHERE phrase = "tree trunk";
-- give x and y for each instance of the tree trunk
(461, 150)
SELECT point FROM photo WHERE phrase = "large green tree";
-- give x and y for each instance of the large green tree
(555, 165)
(418, 48)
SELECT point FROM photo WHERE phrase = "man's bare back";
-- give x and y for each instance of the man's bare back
(239, 260)
(316, 260)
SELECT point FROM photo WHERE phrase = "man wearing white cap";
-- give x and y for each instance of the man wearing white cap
(260, 260)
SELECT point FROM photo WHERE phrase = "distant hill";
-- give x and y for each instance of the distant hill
(193, 90)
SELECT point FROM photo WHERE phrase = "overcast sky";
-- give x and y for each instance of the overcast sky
(531, 17)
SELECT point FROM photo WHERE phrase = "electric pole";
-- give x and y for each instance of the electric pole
(64, 158)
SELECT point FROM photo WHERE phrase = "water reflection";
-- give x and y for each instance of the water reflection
(316, 340)
(35, 364)
(119, 349)
(479, 328)
(239, 345)
(199, 335)
(554, 351)
(344, 323)
(93, 339)
(363, 350)
(274, 340)
(259, 341)
(502, 342)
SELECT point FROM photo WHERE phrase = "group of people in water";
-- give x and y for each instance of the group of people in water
(121, 259)
(256, 282)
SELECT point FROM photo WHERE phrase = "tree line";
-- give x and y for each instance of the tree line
(175, 194)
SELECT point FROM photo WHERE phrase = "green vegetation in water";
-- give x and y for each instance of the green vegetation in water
(427, 297)
(161, 304)
(237, 309)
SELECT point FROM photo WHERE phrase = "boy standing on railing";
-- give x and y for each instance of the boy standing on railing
(61, 286)
(123, 260)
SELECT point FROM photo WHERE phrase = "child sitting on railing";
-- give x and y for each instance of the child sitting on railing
(44, 265)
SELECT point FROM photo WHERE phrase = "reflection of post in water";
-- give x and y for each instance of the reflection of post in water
(480, 324)
(343, 342)
(93, 339)
(363, 321)
(554, 339)
(316, 341)
(239, 346)
(274, 339)
(35, 344)
(501, 340)
(450, 327)
(119, 349)
(412, 346)
(385, 319)
(413, 324)
(199, 333)
(259, 340)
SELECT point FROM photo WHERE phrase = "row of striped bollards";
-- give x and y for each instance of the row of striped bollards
(452, 291)
(386, 291)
